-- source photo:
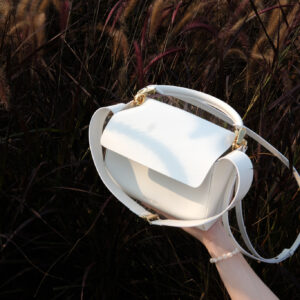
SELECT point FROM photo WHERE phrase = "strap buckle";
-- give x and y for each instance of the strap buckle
(239, 140)
(151, 217)
(142, 94)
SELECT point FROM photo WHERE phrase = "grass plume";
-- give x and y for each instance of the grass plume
(63, 235)
(158, 7)
(191, 12)
(120, 46)
(4, 90)
(129, 9)
(5, 8)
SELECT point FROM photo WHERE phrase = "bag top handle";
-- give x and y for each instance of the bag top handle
(195, 98)
(206, 102)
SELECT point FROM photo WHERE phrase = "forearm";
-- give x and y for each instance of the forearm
(239, 279)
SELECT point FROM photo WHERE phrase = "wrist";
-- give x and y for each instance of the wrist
(217, 241)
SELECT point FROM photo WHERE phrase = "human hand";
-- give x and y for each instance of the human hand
(215, 234)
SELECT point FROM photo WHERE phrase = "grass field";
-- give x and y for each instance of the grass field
(62, 235)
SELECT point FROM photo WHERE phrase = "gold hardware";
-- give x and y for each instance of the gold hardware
(239, 140)
(142, 94)
(139, 99)
(151, 217)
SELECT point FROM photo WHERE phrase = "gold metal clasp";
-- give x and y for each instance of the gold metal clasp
(142, 94)
(239, 140)
(151, 217)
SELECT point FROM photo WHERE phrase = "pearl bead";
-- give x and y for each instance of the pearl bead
(224, 256)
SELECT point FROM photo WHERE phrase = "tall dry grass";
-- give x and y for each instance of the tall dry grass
(62, 235)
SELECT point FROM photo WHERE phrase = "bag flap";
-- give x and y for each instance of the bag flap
(168, 140)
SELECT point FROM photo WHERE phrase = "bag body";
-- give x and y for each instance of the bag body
(148, 152)
(168, 158)
(168, 195)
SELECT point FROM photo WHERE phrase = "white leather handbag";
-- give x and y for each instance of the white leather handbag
(150, 152)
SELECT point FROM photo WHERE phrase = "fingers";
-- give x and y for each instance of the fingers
(194, 231)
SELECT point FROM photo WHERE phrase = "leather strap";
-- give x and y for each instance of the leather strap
(280, 257)
(202, 100)
(239, 211)
(95, 132)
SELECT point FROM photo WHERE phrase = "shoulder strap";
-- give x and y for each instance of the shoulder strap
(280, 257)
(239, 212)
(287, 252)
(95, 132)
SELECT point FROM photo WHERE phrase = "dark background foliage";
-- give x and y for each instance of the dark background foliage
(62, 235)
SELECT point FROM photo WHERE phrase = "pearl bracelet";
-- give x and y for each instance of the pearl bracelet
(224, 256)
